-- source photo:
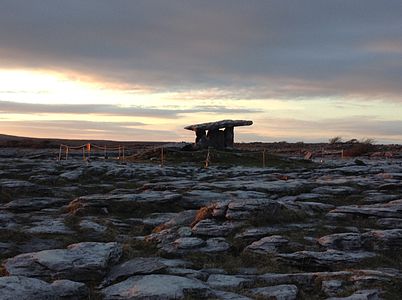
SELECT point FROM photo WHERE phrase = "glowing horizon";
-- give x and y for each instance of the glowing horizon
(40, 88)
(131, 77)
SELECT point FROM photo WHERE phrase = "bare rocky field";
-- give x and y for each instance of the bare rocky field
(111, 230)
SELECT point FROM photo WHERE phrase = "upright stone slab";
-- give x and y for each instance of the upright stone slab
(229, 137)
(216, 139)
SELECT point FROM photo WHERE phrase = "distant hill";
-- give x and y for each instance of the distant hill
(37, 143)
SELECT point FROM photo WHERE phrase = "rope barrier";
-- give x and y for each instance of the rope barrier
(86, 150)
(121, 152)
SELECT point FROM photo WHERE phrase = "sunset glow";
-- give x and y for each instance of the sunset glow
(160, 75)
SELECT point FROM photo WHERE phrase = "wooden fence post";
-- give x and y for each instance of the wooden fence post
(263, 158)
(60, 153)
(207, 160)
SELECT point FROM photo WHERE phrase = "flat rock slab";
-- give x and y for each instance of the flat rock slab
(300, 279)
(245, 209)
(200, 198)
(277, 187)
(327, 258)
(218, 125)
(332, 287)
(157, 219)
(266, 245)
(258, 232)
(221, 281)
(16, 186)
(209, 227)
(191, 273)
(91, 225)
(278, 292)
(157, 287)
(390, 222)
(49, 226)
(36, 203)
(223, 295)
(341, 241)
(189, 242)
(215, 245)
(136, 266)
(82, 261)
(121, 202)
(25, 288)
(383, 239)
(38, 244)
(334, 190)
(391, 209)
(374, 239)
(373, 294)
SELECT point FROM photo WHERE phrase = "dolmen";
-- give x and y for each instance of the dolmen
(218, 135)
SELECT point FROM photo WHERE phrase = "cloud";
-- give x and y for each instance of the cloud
(87, 129)
(113, 110)
(384, 131)
(284, 49)
(274, 129)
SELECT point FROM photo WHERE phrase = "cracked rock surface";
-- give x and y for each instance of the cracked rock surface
(110, 230)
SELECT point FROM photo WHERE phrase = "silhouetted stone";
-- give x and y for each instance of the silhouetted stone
(216, 138)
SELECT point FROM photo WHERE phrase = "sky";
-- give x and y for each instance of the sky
(301, 70)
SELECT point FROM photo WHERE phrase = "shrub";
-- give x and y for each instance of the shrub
(335, 140)
(202, 214)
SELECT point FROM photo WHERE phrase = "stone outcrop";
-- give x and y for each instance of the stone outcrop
(327, 230)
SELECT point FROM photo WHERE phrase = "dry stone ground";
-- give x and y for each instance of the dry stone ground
(111, 230)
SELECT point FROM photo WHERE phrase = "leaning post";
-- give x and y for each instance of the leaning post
(60, 153)
(263, 158)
